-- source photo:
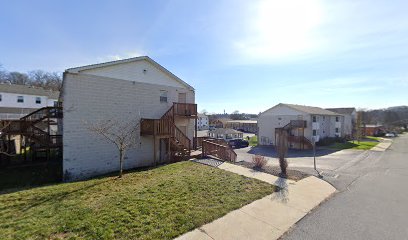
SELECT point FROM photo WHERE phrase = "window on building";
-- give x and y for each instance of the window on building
(1, 98)
(337, 119)
(337, 130)
(38, 100)
(163, 96)
(314, 132)
(314, 118)
(20, 99)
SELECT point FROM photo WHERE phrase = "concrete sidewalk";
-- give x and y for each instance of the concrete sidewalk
(383, 145)
(269, 217)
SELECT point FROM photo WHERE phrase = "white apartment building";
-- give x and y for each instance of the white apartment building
(202, 122)
(305, 124)
(17, 101)
(136, 88)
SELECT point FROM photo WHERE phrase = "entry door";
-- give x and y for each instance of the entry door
(182, 97)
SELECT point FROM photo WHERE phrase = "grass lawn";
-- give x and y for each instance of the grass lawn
(28, 176)
(253, 141)
(373, 138)
(363, 145)
(159, 203)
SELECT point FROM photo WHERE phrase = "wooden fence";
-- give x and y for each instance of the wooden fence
(223, 152)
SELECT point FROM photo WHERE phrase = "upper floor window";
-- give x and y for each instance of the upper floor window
(20, 99)
(163, 96)
(38, 100)
(337, 119)
(314, 118)
(314, 132)
(1, 98)
(337, 130)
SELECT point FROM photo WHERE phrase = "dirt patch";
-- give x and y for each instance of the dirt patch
(291, 174)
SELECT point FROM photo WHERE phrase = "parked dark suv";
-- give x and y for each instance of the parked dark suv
(238, 143)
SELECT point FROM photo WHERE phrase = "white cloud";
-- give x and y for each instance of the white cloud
(281, 29)
(120, 56)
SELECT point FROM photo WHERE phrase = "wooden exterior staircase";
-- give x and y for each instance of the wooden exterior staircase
(36, 131)
(300, 139)
(179, 145)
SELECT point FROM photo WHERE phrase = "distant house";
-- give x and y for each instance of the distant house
(219, 122)
(350, 118)
(225, 133)
(373, 130)
(304, 124)
(17, 101)
(202, 122)
(243, 125)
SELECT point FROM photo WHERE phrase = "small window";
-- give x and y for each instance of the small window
(38, 100)
(1, 98)
(163, 96)
(314, 132)
(337, 119)
(337, 130)
(314, 118)
(20, 99)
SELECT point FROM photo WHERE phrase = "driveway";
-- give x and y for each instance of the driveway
(327, 160)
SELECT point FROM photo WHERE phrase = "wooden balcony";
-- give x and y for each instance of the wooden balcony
(298, 123)
(185, 109)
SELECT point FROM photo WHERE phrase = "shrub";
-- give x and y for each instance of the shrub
(259, 161)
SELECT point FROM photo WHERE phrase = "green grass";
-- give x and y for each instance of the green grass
(373, 138)
(253, 141)
(159, 203)
(28, 176)
(363, 145)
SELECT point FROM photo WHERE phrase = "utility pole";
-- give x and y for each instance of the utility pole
(314, 156)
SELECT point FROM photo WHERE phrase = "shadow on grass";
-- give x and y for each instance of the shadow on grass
(15, 179)
(269, 151)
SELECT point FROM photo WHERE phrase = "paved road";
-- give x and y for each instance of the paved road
(327, 160)
(372, 202)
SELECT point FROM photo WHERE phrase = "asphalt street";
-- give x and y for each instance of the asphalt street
(372, 199)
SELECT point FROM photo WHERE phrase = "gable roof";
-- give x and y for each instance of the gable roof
(342, 110)
(306, 109)
(224, 131)
(128, 60)
(28, 90)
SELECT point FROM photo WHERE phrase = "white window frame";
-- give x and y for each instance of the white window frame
(37, 100)
(20, 99)
(163, 96)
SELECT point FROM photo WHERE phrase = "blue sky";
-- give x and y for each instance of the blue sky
(239, 55)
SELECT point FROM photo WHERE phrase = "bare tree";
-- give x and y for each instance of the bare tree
(359, 126)
(204, 111)
(282, 150)
(123, 134)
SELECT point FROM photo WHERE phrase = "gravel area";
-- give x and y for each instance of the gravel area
(291, 174)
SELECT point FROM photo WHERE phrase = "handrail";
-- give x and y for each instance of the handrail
(223, 152)
(45, 111)
(185, 109)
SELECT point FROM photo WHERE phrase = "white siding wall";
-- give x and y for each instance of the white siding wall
(134, 71)
(91, 99)
(278, 117)
(10, 100)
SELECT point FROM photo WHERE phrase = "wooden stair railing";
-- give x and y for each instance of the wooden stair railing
(224, 152)
(165, 126)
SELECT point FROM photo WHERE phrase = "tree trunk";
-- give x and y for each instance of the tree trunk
(121, 159)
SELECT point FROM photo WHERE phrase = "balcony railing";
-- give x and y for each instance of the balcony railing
(185, 109)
